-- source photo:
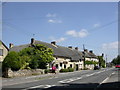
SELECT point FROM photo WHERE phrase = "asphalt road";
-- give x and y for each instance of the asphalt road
(85, 79)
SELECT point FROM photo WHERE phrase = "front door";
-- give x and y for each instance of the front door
(77, 68)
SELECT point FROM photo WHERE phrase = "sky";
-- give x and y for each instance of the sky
(94, 24)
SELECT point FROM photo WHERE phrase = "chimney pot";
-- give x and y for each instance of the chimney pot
(85, 50)
(54, 43)
(70, 47)
(91, 51)
(102, 54)
(32, 41)
(11, 45)
(76, 48)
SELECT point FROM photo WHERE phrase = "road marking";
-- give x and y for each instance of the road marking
(36, 87)
(105, 80)
(48, 86)
(70, 80)
(40, 86)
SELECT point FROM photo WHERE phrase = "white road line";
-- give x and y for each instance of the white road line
(105, 80)
(34, 87)
(70, 80)
(40, 86)
(48, 86)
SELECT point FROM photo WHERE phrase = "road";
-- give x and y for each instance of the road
(84, 79)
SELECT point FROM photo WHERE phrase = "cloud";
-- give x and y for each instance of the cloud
(96, 25)
(52, 18)
(54, 21)
(61, 39)
(57, 40)
(51, 15)
(112, 45)
(82, 33)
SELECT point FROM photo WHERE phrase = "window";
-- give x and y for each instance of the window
(57, 66)
(71, 65)
(60, 64)
(1, 52)
(64, 66)
(56, 57)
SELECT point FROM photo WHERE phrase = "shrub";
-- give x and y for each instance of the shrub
(46, 71)
(70, 69)
(67, 70)
(64, 70)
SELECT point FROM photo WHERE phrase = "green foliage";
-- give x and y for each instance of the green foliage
(101, 61)
(116, 60)
(70, 69)
(64, 70)
(24, 62)
(46, 71)
(12, 61)
(32, 57)
(34, 63)
(67, 70)
(91, 62)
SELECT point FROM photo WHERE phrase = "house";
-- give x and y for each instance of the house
(3, 51)
(64, 57)
(90, 56)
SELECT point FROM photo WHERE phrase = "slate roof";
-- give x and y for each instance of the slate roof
(4, 45)
(89, 55)
(59, 51)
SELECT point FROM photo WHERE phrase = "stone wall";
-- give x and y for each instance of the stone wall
(24, 72)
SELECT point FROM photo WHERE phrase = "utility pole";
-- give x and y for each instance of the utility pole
(106, 60)
(84, 55)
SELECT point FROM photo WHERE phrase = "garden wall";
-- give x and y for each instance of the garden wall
(24, 72)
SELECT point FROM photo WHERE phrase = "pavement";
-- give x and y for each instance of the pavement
(84, 79)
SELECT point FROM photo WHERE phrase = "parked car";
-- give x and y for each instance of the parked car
(117, 66)
(96, 68)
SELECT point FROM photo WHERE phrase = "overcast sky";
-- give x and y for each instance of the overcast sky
(93, 24)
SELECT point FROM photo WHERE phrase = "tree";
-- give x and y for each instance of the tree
(24, 62)
(101, 61)
(44, 55)
(37, 56)
(116, 60)
(11, 61)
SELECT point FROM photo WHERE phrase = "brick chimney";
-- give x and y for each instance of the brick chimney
(53, 43)
(32, 41)
(76, 48)
(70, 47)
(11, 45)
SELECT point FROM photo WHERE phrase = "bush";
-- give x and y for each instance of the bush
(46, 71)
(64, 70)
(67, 70)
(70, 69)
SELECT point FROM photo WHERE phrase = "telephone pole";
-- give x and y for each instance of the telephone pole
(84, 55)
(106, 60)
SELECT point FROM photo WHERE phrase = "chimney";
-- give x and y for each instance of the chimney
(11, 45)
(54, 43)
(85, 50)
(91, 51)
(102, 54)
(76, 48)
(70, 47)
(32, 41)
